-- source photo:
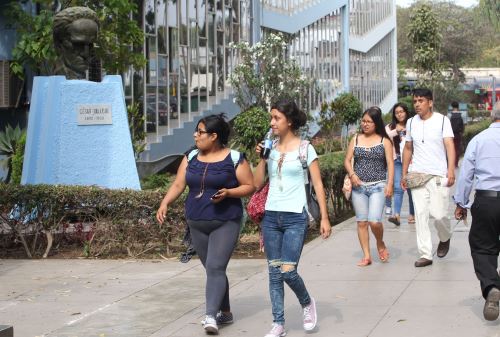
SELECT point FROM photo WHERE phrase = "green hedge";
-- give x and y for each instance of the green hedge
(473, 129)
(114, 223)
(332, 174)
(117, 221)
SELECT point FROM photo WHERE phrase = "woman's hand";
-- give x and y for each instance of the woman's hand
(325, 229)
(221, 194)
(355, 181)
(161, 213)
(258, 148)
(388, 191)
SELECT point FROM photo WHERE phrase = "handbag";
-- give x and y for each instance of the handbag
(347, 187)
(256, 206)
(415, 179)
(313, 210)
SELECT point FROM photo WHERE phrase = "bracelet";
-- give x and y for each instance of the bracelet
(350, 176)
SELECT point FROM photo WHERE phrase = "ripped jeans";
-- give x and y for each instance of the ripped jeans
(284, 234)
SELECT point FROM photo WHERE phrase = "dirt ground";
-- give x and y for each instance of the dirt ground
(247, 248)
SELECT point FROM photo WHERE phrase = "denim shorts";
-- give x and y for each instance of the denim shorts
(368, 201)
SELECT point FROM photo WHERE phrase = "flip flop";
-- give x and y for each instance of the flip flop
(411, 220)
(383, 254)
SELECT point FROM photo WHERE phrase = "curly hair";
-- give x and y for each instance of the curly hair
(67, 16)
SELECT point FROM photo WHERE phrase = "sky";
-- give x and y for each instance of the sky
(463, 3)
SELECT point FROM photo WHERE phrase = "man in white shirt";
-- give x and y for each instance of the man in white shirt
(429, 146)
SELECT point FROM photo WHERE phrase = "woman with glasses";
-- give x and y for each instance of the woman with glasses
(285, 221)
(217, 178)
(396, 130)
(372, 178)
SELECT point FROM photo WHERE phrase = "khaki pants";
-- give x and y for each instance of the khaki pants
(431, 199)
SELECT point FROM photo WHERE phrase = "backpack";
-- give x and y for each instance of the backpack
(312, 200)
(457, 123)
(235, 156)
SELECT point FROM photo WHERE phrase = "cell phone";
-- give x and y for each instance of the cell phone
(216, 195)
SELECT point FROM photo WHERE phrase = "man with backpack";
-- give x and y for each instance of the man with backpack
(457, 125)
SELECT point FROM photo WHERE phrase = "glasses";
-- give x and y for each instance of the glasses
(200, 132)
(366, 122)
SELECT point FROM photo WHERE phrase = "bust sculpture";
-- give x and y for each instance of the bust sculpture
(74, 31)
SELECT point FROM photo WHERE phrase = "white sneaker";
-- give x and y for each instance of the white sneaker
(310, 316)
(277, 330)
(210, 325)
(388, 211)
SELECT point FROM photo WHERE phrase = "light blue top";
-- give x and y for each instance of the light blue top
(287, 188)
(480, 165)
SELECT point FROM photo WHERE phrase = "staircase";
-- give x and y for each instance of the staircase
(171, 147)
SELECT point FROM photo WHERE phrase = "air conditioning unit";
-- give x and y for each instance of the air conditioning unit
(9, 86)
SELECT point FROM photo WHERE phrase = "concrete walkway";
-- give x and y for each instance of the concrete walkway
(86, 298)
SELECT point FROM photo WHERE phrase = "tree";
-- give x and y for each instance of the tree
(345, 109)
(459, 43)
(265, 74)
(118, 43)
(426, 41)
(492, 10)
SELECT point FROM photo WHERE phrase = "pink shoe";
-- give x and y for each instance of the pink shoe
(310, 315)
(277, 330)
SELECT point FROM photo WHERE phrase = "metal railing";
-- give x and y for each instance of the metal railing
(371, 73)
(366, 14)
(288, 7)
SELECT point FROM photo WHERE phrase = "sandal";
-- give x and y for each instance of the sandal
(411, 220)
(364, 262)
(383, 254)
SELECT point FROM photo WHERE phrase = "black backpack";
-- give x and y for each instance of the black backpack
(457, 124)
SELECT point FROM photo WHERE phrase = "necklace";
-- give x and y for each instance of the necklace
(202, 184)
(280, 165)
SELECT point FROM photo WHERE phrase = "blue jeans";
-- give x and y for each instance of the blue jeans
(284, 234)
(368, 202)
(398, 191)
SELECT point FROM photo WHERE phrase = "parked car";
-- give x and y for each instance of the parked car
(162, 113)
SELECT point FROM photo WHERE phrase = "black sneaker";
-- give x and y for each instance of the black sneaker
(224, 318)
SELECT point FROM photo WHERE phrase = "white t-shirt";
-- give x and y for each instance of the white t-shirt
(429, 152)
(287, 192)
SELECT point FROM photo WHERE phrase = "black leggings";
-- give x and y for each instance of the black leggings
(214, 242)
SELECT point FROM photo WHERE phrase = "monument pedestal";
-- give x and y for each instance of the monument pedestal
(78, 134)
(6, 331)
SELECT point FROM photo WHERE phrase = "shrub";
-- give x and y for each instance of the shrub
(250, 127)
(17, 161)
(473, 129)
(117, 221)
(155, 181)
(332, 174)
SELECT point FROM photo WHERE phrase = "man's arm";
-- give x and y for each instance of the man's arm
(450, 154)
(466, 178)
(407, 154)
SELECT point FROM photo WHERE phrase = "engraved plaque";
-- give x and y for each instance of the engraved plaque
(94, 114)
